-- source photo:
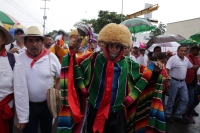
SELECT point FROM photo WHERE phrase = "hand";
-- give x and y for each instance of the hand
(166, 79)
(13, 50)
(158, 66)
(195, 67)
(21, 126)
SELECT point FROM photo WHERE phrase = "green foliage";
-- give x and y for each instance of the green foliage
(104, 18)
(51, 33)
(160, 29)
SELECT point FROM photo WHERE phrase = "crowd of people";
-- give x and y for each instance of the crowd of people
(107, 85)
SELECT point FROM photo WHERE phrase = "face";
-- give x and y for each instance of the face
(157, 51)
(18, 35)
(135, 50)
(34, 45)
(195, 52)
(113, 50)
(142, 51)
(163, 61)
(181, 52)
(2, 38)
(126, 51)
(48, 42)
(75, 42)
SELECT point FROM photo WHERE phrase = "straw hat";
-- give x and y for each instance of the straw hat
(32, 31)
(115, 33)
(8, 36)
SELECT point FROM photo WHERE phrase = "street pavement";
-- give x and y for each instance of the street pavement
(176, 127)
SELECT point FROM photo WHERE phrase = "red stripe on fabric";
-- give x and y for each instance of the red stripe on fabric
(72, 95)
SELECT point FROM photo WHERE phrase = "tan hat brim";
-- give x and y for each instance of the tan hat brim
(21, 39)
(9, 38)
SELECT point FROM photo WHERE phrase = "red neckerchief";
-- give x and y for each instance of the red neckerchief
(72, 95)
(103, 111)
(3, 53)
(5, 113)
(35, 59)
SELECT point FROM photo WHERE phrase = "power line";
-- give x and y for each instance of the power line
(28, 9)
(27, 12)
(20, 9)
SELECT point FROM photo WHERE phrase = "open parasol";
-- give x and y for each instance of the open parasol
(7, 19)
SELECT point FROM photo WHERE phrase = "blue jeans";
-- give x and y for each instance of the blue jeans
(177, 88)
(39, 114)
(191, 96)
(194, 103)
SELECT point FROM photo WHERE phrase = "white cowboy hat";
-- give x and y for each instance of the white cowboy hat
(32, 31)
(8, 36)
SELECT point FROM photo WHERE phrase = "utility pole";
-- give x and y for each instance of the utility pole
(122, 11)
(44, 17)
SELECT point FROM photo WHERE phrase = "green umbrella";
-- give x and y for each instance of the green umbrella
(7, 19)
(137, 25)
(196, 37)
(187, 42)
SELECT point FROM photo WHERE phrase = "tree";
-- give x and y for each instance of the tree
(51, 33)
(159, 30)
(83, 21)
(104, 18)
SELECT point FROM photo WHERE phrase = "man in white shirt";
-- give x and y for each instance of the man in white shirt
(12, 85)
(137, 55)
(17, 46)
(177, 67)
(41, 67)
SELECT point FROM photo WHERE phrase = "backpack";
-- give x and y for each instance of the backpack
(11, 59)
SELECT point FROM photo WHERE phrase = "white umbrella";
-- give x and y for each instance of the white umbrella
(167, 46)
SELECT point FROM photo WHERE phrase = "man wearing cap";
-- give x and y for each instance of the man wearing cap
(41, 68)
(108, 80)
(136, 53)
(12, 85)
(16, 46)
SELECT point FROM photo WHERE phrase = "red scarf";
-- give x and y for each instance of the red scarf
(35, 59)
(72, 96)
(5, 113)
(103, 111)
(3, 53)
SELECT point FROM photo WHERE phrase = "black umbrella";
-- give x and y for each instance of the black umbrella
(164, 38)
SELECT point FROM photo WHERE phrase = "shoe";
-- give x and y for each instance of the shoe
(169, 119)
(195, 113)
(190, 119)
(181, 120)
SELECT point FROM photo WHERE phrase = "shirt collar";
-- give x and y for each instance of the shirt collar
(178, 58)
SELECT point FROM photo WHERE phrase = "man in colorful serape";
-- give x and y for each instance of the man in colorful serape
(110, 82)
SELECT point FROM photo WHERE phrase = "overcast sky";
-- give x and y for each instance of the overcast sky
(63, 14)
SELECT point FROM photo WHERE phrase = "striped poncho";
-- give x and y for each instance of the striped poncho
(132, 80)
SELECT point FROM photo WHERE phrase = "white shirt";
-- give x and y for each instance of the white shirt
(15, 81)
(145, 59)
(177, 67)
(198, 72)
(132, 57)
(20, 50)
(140, 59)
(39, 78)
